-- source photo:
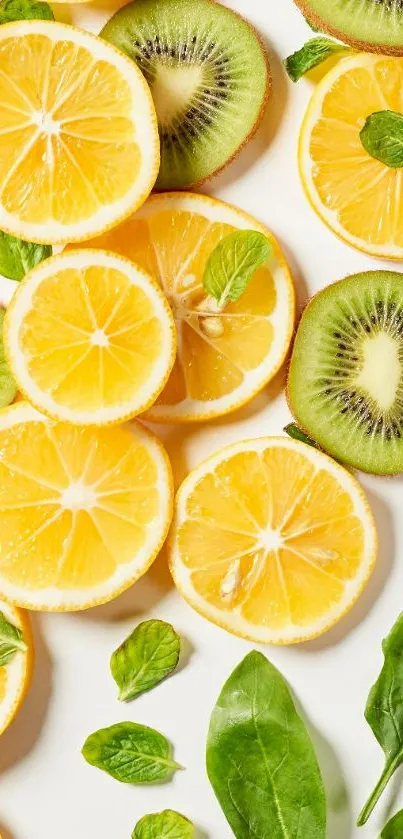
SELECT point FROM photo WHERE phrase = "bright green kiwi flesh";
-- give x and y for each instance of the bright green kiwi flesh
(209, 78)
(374, 25)
(345, 384)
(8, 387)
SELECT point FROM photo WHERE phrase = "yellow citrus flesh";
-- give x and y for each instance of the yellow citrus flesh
(90, 338)
(272, 540)
(84, 511)
(358, 197)
(79, 147)
(15, 676)
(222, 362)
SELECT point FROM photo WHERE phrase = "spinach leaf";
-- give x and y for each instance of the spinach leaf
(313, 53)
(166, 825)
(18, 257)
(11, 640)
(149, 655)
(131, 753)
(24, 10)
(384, 713)
(382, 138)
(232, 264)
(260, 760)
(394, 828)
(8, 387)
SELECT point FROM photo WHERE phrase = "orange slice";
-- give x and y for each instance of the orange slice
(79, 147)
(90, 338)
(84, 511)
(15, 675)
(272, 540)
(358, 197)
(222, 362)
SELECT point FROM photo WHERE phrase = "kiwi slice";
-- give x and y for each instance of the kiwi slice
(345, 384)
(8, 387)
(209, 78)
(372, 25)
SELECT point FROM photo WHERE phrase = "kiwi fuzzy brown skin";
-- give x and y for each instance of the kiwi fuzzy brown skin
(361, 46)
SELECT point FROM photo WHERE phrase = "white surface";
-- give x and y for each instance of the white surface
(47, 791)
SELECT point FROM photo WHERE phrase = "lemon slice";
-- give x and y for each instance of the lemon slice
(84, 511)
(222, 362)
(79, 146)
(15, 676)
(90, 338)
(272, 540)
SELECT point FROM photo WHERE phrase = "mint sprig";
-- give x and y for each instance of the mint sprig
(382, 138)
(232, 264)
(24, 10)
(17, 257)
(311, 55)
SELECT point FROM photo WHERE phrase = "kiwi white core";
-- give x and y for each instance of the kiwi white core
(380, 353)
(173, 90)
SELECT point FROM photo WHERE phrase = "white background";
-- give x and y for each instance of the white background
(47, 791)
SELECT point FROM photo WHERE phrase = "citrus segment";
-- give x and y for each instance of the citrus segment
(222, 362)
(84, 511)
(90, 337)
(79, 145)
(272, 540)
(15, 675)
(358, 197)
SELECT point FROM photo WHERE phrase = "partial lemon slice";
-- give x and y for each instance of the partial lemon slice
(358, 197)
(272, 540)
(84, 511)
(15, 675)
(222, 362)
(90, 338)
(79, 146)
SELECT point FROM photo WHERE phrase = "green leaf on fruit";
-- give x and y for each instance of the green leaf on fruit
(394, 828)
(166, 825)
(18, 257)
(233, 263)
(131, 753)
(313, 53)
(296, 433)
(24, 10)
(11, 641)
(382, 138)
(146, 657)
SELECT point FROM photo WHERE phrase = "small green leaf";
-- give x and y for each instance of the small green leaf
(8, 387)
(24, 10)
(11, 641)
(149, 655)
(394, 828)
(382, 138)
(131, 753)
(18, 257)
(313, 53)
(166, 825)
(232, 264)
(297, 434)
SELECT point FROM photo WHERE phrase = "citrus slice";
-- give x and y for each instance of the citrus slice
(272, 540)
(223, 361)
(79, 147)
(358, 197)
(15, 674)
(84, 511)
(90, 338)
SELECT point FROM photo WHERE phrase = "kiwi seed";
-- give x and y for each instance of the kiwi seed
(371, 25)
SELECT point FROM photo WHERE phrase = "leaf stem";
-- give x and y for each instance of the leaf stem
(376, 794)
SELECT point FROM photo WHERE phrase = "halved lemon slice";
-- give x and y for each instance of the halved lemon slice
(84, 511)
(79, 146)
(15, 674)
(223, 361)
(90, 338)
(272, 540)
(358, 197)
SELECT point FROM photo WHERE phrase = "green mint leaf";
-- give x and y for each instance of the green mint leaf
(384, 713)
(24, 10)
(18, 257)
(232, 264)
(313, 53)
(256, 749)
(394, 828)
(166, 825)
(11, 641)
(8, 387)
(131, 753)
(382, 138)
(297, 434)
(149, 655)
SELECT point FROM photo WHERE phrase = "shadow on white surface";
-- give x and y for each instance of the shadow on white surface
(375, 586)
(24, 732)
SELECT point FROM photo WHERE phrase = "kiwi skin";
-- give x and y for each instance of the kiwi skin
(362, 46)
